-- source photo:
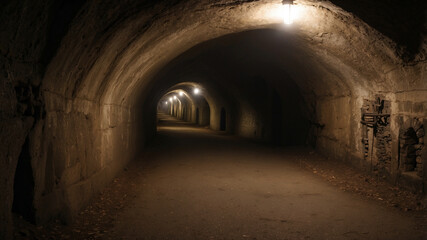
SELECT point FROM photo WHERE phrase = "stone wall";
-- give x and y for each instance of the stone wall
(23, 57)
(72, 74)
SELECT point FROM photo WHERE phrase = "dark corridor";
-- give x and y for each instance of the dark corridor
(223, 120)
(23, 187)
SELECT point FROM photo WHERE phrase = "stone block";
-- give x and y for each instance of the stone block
(418, 146)
(420, 133)
(418, 107)
(49, 206)
(417, 124)
(71, 175)
(407, 107)
(76, 196)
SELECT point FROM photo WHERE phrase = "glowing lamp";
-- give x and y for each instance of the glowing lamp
(170, 99)
(196, 91)
(181, 93)
(174, 97)
(287, 11)
(166, 103)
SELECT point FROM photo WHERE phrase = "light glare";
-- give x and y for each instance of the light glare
(288, 16)
(196, 91)
(275, 13)
(181, 93)
(174, 97)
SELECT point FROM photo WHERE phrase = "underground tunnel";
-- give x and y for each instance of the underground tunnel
(211, 110)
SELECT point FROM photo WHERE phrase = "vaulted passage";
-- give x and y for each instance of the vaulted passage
(221, 106)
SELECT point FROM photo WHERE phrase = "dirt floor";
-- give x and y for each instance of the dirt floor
(193, 183)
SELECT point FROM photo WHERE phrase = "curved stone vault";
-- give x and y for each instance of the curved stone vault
(81, 82)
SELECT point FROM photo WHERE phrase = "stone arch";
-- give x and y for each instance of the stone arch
(411, 145)
(109, 52)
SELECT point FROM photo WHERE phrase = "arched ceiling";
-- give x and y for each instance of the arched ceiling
(181, 93)
(210, 95)
(112, 52)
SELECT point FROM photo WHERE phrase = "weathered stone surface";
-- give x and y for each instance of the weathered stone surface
(80, 81)
(420, 133)
(13, 135)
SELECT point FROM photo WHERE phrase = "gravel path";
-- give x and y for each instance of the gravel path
(199, 185)
(194, 183)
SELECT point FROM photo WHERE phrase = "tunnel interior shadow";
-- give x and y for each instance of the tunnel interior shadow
(23, 187)
(276, 119)
(223, 121)
(197, 116)
(386, 16)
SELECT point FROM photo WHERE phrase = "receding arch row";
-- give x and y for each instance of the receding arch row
(201, 107)
(179, 103)
(108, 64)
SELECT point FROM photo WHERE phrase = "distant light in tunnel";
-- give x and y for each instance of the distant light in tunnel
(181, 93)
(288, 13)
(166, 103)
(196, 91)
(174, 97)
(170, 99)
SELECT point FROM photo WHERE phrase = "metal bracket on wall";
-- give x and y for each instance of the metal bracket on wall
(375, 113)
